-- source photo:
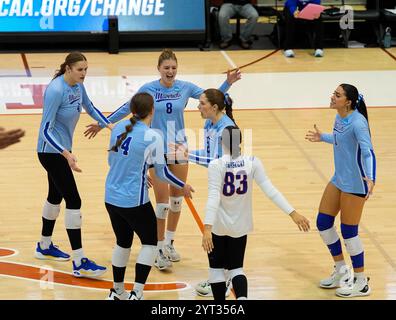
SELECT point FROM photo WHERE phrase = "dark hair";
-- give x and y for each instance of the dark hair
(71, 59)
(141, 105)
(231, 138)
(357, 101)
(166, 54)
(223, 101)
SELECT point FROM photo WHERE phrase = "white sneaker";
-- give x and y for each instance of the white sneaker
(171, 253)
(337, 279)
(289, 53)
(161, 261)
(115, 296)
(359, 288)
(204, 289)
(133, 296)
(319, 53)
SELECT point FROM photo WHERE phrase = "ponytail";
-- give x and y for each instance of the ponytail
(361, 106)
(123, 136)
(228, 106)
(231, 139)
(141, 106)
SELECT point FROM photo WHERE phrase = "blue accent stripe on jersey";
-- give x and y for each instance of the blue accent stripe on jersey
(101, 115)
(142, 187)
(117, 110)
(44, 144)
(50, 139)
(359, 161)
(374, 164)
(173, 178)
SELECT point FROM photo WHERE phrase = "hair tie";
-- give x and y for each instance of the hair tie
(360, 98)
(226, 98)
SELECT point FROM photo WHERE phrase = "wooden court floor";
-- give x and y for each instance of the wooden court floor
(280, 262)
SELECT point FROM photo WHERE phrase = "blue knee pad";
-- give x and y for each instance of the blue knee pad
(353, 244)
(324, 221)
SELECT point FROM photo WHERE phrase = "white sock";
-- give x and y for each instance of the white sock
(360, 276)
(138, 288)
(119, 287)
(160, 245)
(77, 256)
(169, 236)
(45, 242)
(339, 264)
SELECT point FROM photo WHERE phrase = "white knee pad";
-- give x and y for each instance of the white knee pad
(161, 210)
(147, 255)
(216, 275)
(73, 219)
(354, 246)
(51, 211)
(120, 256)
(235, 272)
(176, 204)
(329, 236)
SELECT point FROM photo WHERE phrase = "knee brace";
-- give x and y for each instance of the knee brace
(176, 204)
(325, 225)
(235, 272)
(147, 255)
(161, 210)
(120, 256)
(73, 219)
(51, 211)
(216, 275)
(353, 244)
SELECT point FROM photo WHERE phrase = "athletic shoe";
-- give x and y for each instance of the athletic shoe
(133, 296)
(204, 289)
(337, 278)
(289, 53)
(52, 253)
(171, 253)
(161, 261)
(359, 288)
(319, 53)
(88, 269)
(115, 296)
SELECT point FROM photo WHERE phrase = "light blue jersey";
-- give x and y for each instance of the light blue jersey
(126, 184)
(169, 104)
(61, 111)
(212, 137)
(354, 156)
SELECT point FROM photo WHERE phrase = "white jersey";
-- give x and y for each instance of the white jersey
(229, 205)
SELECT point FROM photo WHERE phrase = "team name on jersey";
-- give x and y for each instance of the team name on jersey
(339, 126)
(235, 164)
(159, 96)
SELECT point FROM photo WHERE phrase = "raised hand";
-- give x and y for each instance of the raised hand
(314, 136)
(233, 76)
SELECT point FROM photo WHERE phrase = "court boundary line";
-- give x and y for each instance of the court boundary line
(26, 65)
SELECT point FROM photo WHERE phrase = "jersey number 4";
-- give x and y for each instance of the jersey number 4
(125, 145)
(230, 179)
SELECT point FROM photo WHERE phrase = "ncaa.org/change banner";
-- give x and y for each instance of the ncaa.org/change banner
(92, 15)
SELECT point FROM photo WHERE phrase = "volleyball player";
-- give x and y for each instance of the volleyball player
(348, 189)
(64, 99)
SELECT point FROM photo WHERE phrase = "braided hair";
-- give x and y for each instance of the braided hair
(141, 106)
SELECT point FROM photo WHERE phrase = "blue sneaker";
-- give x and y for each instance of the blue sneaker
(52, 253)
(88, 269)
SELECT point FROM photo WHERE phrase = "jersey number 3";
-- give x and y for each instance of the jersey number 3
(229, 187)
